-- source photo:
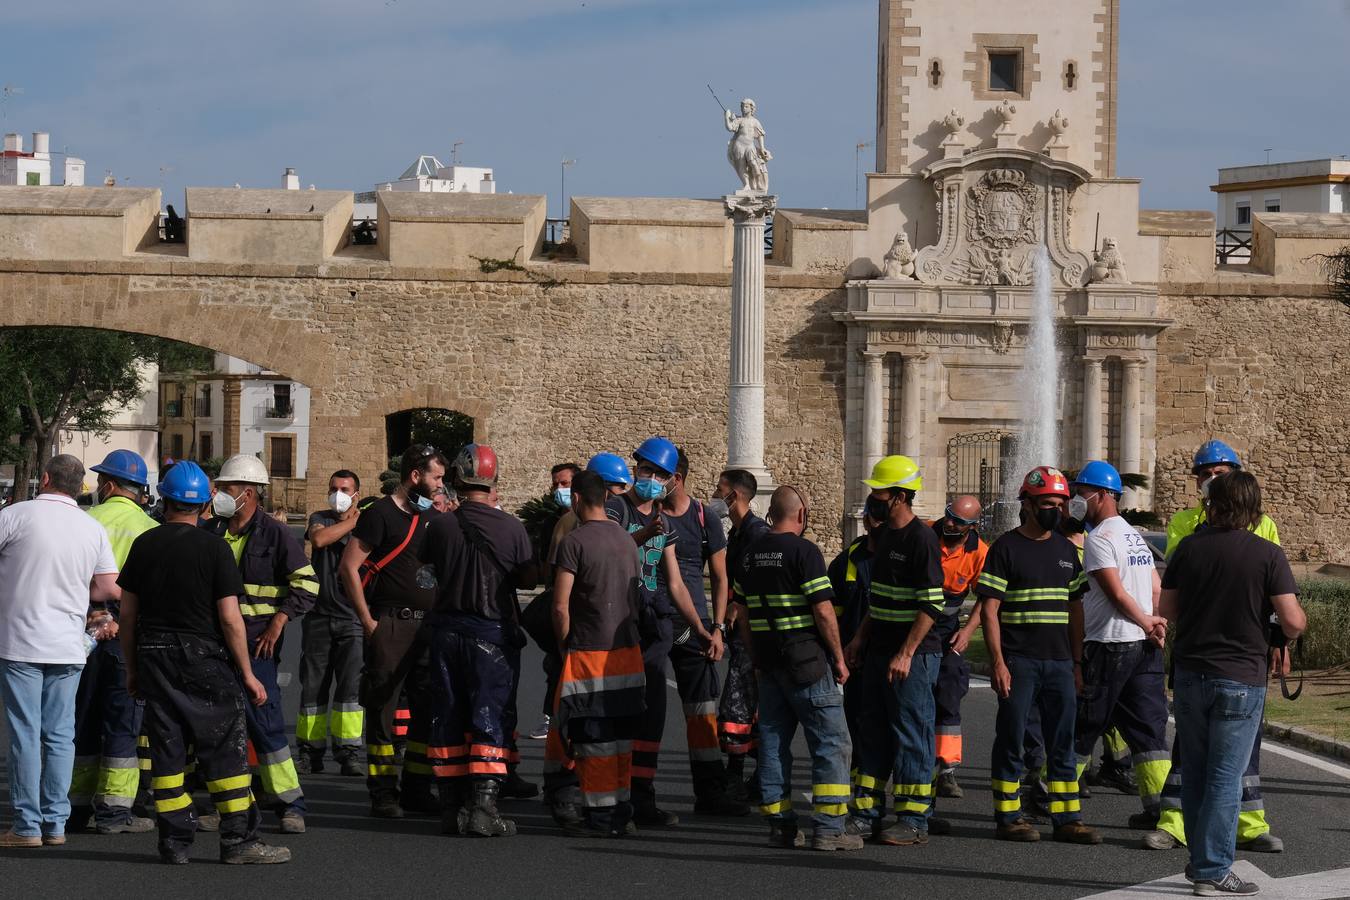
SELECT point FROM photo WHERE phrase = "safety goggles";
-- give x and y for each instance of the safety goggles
(960, 521)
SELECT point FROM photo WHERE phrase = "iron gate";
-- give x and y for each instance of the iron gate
(977, 464)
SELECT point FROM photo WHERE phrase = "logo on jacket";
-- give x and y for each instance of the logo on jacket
(1065, 564)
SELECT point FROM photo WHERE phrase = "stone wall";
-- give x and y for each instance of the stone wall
(1262, 367)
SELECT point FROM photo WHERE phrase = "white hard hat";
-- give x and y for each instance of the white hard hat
(243, 468)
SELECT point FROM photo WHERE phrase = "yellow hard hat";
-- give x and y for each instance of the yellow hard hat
(896, 472)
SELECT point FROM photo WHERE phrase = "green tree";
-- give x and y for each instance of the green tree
(71, 378)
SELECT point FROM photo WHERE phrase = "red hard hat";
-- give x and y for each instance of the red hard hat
(1045, 481)
(476, 464)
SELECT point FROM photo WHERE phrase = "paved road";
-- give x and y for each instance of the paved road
(348, 854)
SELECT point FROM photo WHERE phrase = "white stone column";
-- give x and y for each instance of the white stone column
(1092, 409)
(1131, 409)
(873, 419)
(910, 406)
(745, 412)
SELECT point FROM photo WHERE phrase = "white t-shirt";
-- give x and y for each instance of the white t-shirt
(50, 550)
(1115, 544)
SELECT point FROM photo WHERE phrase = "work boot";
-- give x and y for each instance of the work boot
(735, 788)
(649, 816)
(1114, 775)
(81, 819)
(11, 841)
(946, 785)
(720, 805)
(901, 834)
(484, 820)
(304, 763)
(350, 767)
(785, 835)
(53, 840)
(517, 788)
(1265, 842)
(131, 825)
(752, 792)
(386, 807)
(1159, 840)
(255, 853)
(454, 810)
(209, 821)
(566, 805)
(1145, 821)
(850, 839)
(1020, 831)
(172, 857)
(292, 823)
(1076, 833)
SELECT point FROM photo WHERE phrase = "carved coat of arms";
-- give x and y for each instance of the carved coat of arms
(1002, 210)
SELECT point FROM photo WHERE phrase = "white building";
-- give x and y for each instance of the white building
(426, 175)
(1310, 186)
(34, 168)
(135, 427)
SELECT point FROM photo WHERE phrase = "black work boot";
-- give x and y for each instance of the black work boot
(484, 820)
(455, 808)
(566, 806)
(517, 788)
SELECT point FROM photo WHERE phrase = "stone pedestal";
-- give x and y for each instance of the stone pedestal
(745, 407)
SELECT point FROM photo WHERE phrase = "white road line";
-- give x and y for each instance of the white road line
(1307, 759)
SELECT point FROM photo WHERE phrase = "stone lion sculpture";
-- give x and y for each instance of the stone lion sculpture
(899, 260)
(1107, 264)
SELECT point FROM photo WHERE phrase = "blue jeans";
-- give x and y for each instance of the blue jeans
(1217, 723)
(819, 709)
(896, 742)
(40, 713)
(1044, 686)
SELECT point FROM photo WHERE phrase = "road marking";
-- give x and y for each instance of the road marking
(1267, 744)
(1329, 885)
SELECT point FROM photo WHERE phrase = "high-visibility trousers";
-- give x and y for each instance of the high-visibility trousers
(1251, 814)
(896, 739)
(470, 683)
(696, 681)
(267, 732)
(107, 728)
(647, 744)
(395, 658)
(1047, 686)
(194, 697)
(953, 683)
(1124, 685)
(736, 711)
(330, 687)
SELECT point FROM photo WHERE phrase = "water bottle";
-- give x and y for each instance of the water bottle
(94, 631)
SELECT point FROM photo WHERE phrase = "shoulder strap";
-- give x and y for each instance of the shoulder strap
(375, 568)
(1295, 651)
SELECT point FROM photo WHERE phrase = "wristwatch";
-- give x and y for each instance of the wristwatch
(722, 627)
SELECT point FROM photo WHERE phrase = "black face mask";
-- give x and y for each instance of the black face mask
(1048, 518)
(878, 510)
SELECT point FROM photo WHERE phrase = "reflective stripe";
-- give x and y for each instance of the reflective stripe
(380, 749)
(1063, 787)
(864, 802)
(173, 803)
(348, 724)
(913, 806)
(831, 809)
(913, 790)
(1006, 787)
(778, 806)
(270, 591)
(257, 609)
(831, 790)
(233, 783)
(989, 579)
(381, 770)
(1064, 806)
(1007, 805)
(164, 782)
(238, 804)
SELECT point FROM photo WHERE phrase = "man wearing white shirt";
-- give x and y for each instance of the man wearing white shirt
(54, 561)
(1118, 662)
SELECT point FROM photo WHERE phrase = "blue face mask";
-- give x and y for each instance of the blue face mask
(563, 497)
(649, 488)
(420, 503)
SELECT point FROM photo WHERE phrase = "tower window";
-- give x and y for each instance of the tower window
(935, 73)
(1003, 70)
(1070, 75)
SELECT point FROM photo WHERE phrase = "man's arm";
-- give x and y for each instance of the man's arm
(717, 578)
(1076, 642)
(828, 628)
(900, 663)
(103, 588)
(961, 640)
(321, 536)
(127, 634)
(562, 616)
(302, 591)
(349, 570)
(1293, 620)
(1109, 581)
(993, 640)
(1168, 604)
(679, 595)
(236, 641)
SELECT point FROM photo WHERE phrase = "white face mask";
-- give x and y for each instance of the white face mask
(223, 505)
(1078, 507)
(1204, 487)
(339, 502)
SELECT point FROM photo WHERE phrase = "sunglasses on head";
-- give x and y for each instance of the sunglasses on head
(960, 521)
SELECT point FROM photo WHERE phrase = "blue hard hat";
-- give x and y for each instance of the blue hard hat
(1100, 474)
(1213, 453)
(186, 483)
(610, 467)
(659, 452)
(124, 465)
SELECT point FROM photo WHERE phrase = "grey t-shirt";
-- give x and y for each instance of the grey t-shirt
(603, 607)
(332, 600)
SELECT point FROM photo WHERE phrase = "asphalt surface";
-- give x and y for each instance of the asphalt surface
(346, 853)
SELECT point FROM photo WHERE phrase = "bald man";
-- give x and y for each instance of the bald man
(781, 582)
(963, 555)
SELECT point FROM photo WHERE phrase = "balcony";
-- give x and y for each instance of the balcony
(283, 411)
(173, 409)
(203, 407)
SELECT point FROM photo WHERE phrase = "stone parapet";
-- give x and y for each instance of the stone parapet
(655, 234)
(457, 230)
(820, 240)
(67, 223)
(1291, 246)
(273, 226)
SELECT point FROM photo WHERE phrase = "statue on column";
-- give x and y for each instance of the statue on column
(746, 151)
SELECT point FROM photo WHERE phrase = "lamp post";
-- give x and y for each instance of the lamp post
(562, 186)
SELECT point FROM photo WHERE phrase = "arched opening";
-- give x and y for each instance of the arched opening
(445, 429)
(89, 391)
(980, 463)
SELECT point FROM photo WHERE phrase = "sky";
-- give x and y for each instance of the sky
(349, 93)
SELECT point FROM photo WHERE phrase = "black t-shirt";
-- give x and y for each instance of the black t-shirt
(779, 579)
(1036, 581)
(603, 607)
(178, 573)
(621, 509)
(383, 526)
(332, 600)
(1225, 579)
(751, 529)
(467, 579)
(696, 540)
(906, 583)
